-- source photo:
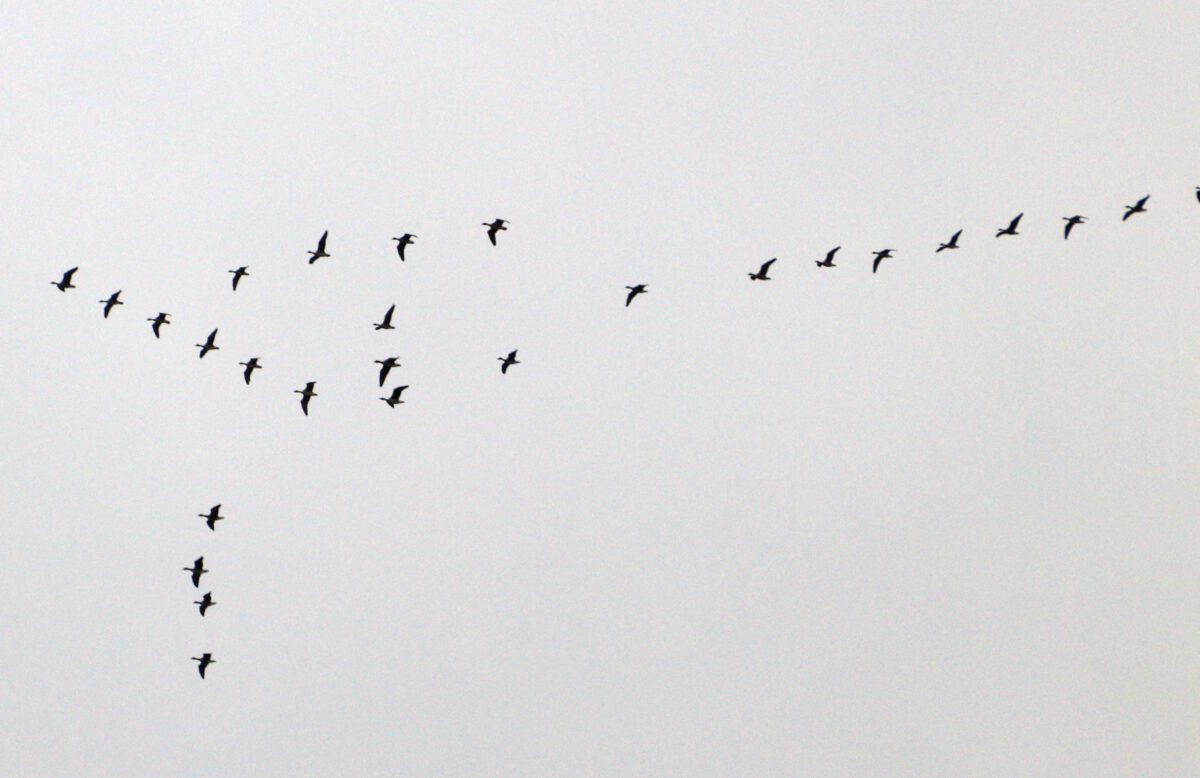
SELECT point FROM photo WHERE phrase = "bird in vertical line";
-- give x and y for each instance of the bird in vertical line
(951, 244)
(251, 365)
(1011, 229)
(205, 602)
(634, 291)
(394, 399)
(313, 256)
(387, 365)
(209, 345)
(65, 283)
(158, 321)
(1138, 207)
(404, 240)
(879, 257)
(205, 660)
(494, 227)
(761, 275)
(197, 570)
(1071, 221)
(828, 261)
(212, 517)
(386, 324)
(508, 361)
(113, 300)
(237, 275)
(306, 394)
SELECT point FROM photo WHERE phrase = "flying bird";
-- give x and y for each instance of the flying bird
(828, 261)
(158, 321)
(1011, 229)
(1139, 207)
(508, 361)
(395, 398)
(494, 227)
(205, 660)
(197, 570)
(212, 517)
(761, 275)
(306, 394)
(204, 602)
(386, 324)
(65, 283)
(250, 366)
(313, 256)
(879, 257)
(404, 240)
(209, 345)
(1197, 197)
(237, 275)
(388, 364)
(113, 299)
(1071, 221)
(952, 244)
(634, 291)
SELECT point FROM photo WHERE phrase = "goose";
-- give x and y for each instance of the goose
(313, 256)
(952, 244)
(237, 275)
(508, 361)
(1138, 207)
(197, 570)
(387, 365)
(828, 261)
(634, 291)
(761, 275)
(212, 517)
(404, 240)
(395, 398)
(306, 394)
(65, 283)
(879, 257)
(205, 602)
(1071, 221)
(158, 321)
(1011, 229)
(113, 299)
(251, 365)
(494, 227)
(209, 345)
(205, 660)
(386, 324)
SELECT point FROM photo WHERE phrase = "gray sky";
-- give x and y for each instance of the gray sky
(935, 521)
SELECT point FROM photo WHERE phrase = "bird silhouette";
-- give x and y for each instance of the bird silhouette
(401, 242)
(313, 256)
(1138, 207)
(634, 291)
(65, 283)
(237, 275)
(386, 324)
(113, 299)
(395, 398)
(761, 275)
(1197, 197)
(205, 660)
(952, 244)
(205, 602)
(879, 257)
(197, 570)
(250, 366)
(212, 517)
(387, 364)
(828, 262)
(209, 345)
(1011, 229)
(158, 321)
(306, 394)
(1071, 221)
(508, 361)
(494, 227)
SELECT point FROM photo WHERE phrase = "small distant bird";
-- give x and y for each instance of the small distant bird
(494, 227)
(761, 275)
(237, 275)
(212, 517)
(113, 299)
(306, 394)
(158, 321)
(388, 364)
(634, 291)
(1071, 221)
(197, 570)
(205, 602)
(250, 366)
(952, 244)
(1197, 197)
(205, 660)
(1011, 229)
(828, 262)
(879, 257)
(65, 283)
(1139, 207)
(209, 345)
(395, 398)
(404, 240)
(386, 324)
(508, 361)
(313, 256)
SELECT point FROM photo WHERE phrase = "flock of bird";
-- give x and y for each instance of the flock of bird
(197, 569)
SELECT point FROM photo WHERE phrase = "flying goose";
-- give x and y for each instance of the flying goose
(494, 227)
(65, 283)
(313, 256)
(761, 275)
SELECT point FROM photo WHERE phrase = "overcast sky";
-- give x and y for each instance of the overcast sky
(935, 521)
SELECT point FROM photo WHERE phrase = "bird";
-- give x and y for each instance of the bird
(1011, 229)
(828, 262)
(197, 570)
(386, 324)
(508, 361)
(1197, 197)
(1071, 221)
(158, 321)
(395, 398)
(113, 299)
(494, 227)
(237, 275)
(205, 602)
(388, 364)
(761, 275)
(313, 256)
(205, 660)
(306, 394)
(1139, 207)
(250, 366)
(212, 517)
(952, 244)
(401, 242)
(65, 283)
(209, 345)
(879, 257)
(634, 291)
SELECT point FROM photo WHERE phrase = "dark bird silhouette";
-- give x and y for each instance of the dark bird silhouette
(634, 291)
(1197, 197)
(65, 283)
(237, 275)
(205, 602)
(828, 262)
(113, 299)
(508, 361)
(209, 345)
(388, 364)
(1138, 207)
(306, 394)
(952, 244)
(879, 257)
(197, 570)
(250, 366)
(761, 275)
(494, 227)
(1011, 229)
(212, 517)
(313, 256)
(158, 321)
(205, 660)
(404, 240)
(1071, 221)
(395, 398)
(386, 324)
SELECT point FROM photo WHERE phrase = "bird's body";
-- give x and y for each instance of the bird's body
(212, 517)
(313, 256)
(1071, 221)
(251, 365)
(1011, 229)
(158, 321)
(634, 291)
(1138, 207)
(394, 399)
(113, 300)
(197, 570)
(508, 361)
(387, 365)
(209, 345)
(879, 257)
(828, 261)
(205, 660)
(404, 240)
(386, 324)
(494, 227)
(65, 284)
(306, 394)
(761, 275)
(951, 244)
(237, 275)
(205, 602)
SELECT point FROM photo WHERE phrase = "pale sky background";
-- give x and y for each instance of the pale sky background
(939, 521)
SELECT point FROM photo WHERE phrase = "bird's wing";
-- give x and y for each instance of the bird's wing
(492, 235)
(67, 275)
(512, 354)
(878, 259)
(321, 242)
(767, 264)
(1142, 202)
